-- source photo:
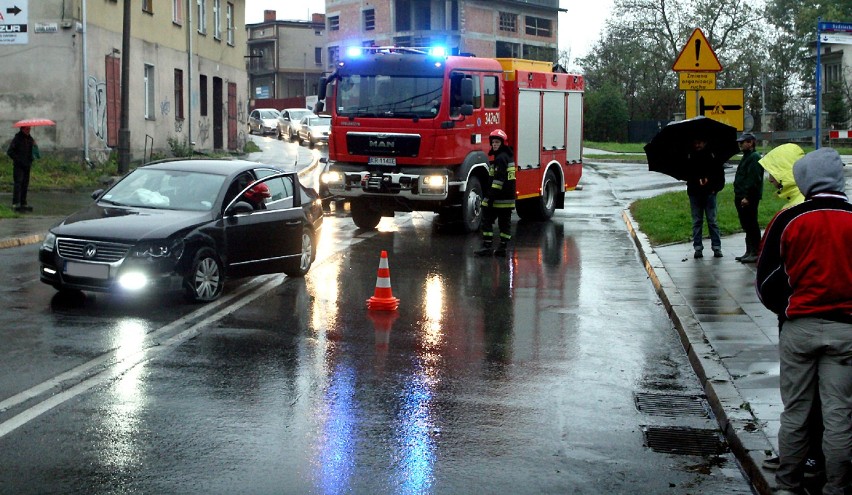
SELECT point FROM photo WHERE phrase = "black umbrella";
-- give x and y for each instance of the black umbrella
(668, 150)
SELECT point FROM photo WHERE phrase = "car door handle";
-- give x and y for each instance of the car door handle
(297, 222)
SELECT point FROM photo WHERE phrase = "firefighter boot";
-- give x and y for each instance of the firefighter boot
(485, 250)
(501, 250)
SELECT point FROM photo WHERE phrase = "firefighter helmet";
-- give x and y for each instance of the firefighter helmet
(258, 192)
(499, 134)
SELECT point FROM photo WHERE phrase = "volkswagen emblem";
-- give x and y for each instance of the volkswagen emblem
(90, 251)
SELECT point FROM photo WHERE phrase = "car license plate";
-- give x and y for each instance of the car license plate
(88, 270)
(381, 160)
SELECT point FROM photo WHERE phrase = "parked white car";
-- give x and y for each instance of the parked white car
(263, 121)
(314, 129)
(288, 121)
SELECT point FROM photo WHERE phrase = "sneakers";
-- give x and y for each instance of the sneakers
(698, 254)
(750, 258)
(812, 468)
(717, 253)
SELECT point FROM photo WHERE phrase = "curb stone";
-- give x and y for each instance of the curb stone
(741, 429)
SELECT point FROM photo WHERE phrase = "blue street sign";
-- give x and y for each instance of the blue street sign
(835, 26)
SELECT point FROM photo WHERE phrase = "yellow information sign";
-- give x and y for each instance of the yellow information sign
(696, 80)
(724, 105)
(697, 56)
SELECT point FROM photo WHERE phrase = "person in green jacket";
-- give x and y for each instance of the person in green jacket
(748, 190)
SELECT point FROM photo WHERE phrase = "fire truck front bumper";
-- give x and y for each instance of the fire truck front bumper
(429, 187)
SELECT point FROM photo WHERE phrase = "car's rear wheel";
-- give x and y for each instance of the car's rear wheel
(299, 267)
(205, 280)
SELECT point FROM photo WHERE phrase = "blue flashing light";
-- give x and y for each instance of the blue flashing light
(354, 51)
(438, 51)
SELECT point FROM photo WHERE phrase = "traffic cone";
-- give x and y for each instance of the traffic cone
(383, 299)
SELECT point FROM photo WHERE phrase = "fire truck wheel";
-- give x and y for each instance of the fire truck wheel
(472, 205)
(542, 207)
(364, 217)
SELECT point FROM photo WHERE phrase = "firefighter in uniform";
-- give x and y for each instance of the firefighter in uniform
(499, 199)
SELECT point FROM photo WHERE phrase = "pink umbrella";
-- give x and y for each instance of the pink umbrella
(33, 122)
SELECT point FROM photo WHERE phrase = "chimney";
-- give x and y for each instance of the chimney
(268, 16)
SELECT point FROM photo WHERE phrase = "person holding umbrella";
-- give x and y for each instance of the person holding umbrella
(22, 150)
(707, 178)
(748, 191)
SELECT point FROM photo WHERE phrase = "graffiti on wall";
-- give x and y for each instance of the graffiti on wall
(96, 108)
(179, 125)
(165, 108)
(241, 112)
(203, 131)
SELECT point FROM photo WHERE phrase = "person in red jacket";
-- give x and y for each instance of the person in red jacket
(804, 275)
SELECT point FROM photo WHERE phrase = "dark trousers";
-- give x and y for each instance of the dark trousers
(21, 182)
(748, 220)
(503, 216)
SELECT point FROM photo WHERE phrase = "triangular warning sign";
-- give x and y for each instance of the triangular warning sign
(697, 56)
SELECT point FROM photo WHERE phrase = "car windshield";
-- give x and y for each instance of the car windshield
(268, 114)
(298, 114)
(389, 96)
(319, 121)
(166, 189)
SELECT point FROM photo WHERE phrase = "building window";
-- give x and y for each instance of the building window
(541, 53)
(217, 21)
(177, 11)
(508, 22)
(369, 19)
(334, 23)
(148, 6)
(318, 55)
(149, 91)
(333, 55)
(202, 16)
(229, 15)
(492, 92)
(202, 93)
(178, 94)
(536, 26)
(508, 50)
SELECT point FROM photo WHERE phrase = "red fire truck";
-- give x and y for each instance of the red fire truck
(410, 130)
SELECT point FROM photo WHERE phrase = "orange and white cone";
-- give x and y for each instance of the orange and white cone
(383, 299)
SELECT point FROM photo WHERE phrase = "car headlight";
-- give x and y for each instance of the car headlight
(49, 241)
(159, 249)
(330, 177)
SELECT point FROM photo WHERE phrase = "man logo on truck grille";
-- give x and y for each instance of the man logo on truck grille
(375, 143)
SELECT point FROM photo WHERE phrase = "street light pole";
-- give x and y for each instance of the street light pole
(124, 130)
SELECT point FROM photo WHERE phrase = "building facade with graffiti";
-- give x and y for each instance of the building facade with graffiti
(187, 74)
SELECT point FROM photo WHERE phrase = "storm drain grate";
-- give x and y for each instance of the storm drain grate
(671, 405)
(687, 441)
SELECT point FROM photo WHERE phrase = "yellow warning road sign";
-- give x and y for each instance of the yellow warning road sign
(697, 56)
(724, 105)
(696, 80)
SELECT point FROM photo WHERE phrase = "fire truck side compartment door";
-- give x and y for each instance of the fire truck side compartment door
(575, 127)
(553, 133)
(529, 127)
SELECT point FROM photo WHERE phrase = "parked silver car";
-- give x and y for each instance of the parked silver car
(314, 129)
(288, 121)
(263, 121)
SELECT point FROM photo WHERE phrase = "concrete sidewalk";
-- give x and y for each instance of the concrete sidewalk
(731, 339)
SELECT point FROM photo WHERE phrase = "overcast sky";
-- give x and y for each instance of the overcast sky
(579, 28)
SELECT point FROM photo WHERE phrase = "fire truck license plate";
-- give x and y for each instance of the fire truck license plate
(380, 160)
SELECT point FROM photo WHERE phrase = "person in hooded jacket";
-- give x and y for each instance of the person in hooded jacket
(748, 191)
(499, 198)
(804, 275)
(21, 152)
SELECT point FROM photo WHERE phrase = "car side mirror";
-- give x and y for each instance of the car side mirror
(240, 208)
(97, 193)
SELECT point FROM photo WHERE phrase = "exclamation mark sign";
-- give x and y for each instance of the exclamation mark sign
(697, 52)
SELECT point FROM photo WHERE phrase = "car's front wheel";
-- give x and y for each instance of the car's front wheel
(299, 267)
(205, 280)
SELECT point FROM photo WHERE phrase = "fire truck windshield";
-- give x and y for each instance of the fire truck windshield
(389, 96)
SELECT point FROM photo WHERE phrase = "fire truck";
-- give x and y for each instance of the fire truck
(409, 132)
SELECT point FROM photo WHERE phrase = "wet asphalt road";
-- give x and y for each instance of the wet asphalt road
(515, 375)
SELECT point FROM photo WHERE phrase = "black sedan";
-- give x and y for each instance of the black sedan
(186, 225)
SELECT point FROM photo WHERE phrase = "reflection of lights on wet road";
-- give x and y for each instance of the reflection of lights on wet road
(337, 454)
(128, 338)
(325, 287)
(415, 425)
(434, 309)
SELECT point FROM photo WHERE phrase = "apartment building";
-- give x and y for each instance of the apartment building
(285, 58)
(486, 28)
(187, 76)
